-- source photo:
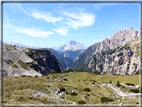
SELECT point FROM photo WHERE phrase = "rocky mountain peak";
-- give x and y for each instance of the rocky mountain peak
(71, 42)
(131, 28)
(71, 45)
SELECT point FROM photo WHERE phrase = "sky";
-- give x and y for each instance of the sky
(55, 24)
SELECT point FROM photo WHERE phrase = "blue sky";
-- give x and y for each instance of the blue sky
(54, 24)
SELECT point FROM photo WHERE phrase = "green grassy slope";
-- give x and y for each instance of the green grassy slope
(39, 90)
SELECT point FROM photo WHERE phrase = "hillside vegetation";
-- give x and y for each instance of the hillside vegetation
(73, 87)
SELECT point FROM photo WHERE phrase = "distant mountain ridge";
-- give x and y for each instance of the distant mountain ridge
(24, 46)
(71, 45)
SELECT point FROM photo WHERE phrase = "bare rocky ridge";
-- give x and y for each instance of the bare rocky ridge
(71, 45)
(22, 61)
(123, 60)
(119, 62)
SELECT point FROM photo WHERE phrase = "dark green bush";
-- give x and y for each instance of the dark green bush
(23, 75)
(110, 82)
(120, 54)
(14, 66)
(88, 94)
(66, 92)
(29, 76)
(62, 89)
(94, 81)
(105, 99)
(81, 102)
(118, 84)
(134, 90)
(65, 79)
(87, 89)
(36, 76)
(130, 84)
(74, 94)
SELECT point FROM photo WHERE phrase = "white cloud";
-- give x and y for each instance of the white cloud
(96, 6)
(77, 20)
(61, 31)
(56, 8)
(101, 35)
(20, 7)
(17, 37)
(29, 31)
(46, 16)
(34, 32)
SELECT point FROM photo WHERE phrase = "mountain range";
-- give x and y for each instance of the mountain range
(70, 46)
(118, 55)
(110, 52)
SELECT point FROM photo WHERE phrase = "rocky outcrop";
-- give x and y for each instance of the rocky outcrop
(22, 61)
(111, 55)
(45, 59)
(123, 60)
(65, 61)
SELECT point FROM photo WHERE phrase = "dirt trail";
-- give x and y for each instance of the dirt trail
(10, 73)
(122, 94)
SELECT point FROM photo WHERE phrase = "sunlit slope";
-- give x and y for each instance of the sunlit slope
(106, 78)
(44, 90)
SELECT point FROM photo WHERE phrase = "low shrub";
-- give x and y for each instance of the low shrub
(94, 81)
(81, 102)
(23, 65)
(118, 84)
(62, 89)
(110, 82)
(14, 66)
(36, 76)
(48, 85)
(65, 79)
(130, 84)
(23, 75)
(134, 90)
(105, 99)
(74, 94)
(87, 89)
(66, 92)
(88, 94)
(29, 76)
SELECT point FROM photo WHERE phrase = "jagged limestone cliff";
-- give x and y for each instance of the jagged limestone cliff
(122, 60)
(118, 55)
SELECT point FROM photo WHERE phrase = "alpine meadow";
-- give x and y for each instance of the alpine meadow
(71, 54)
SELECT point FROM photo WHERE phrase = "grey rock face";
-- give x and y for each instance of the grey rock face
(45, 59)
(124, 60)
(22, 61)
(63, 60)
(120, 50)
